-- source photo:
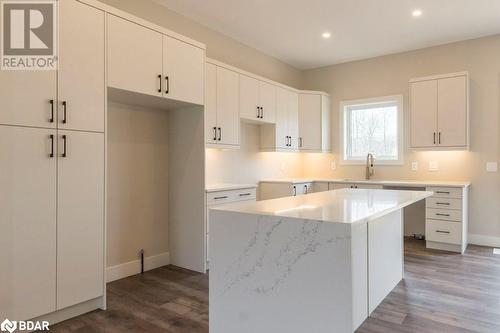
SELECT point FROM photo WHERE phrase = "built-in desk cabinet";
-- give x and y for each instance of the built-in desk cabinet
(439, 112)
(145, 61)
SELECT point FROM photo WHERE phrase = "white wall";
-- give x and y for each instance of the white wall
(389, 75)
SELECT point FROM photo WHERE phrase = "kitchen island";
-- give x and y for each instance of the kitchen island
(320, 262)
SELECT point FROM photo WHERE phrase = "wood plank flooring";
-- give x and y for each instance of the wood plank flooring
(441, 292)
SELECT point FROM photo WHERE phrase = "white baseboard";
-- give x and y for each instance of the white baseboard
(134, 267)
(484, 240)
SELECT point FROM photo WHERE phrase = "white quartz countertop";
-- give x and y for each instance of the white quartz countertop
(339, 206)
(406, 183)
(227, 187)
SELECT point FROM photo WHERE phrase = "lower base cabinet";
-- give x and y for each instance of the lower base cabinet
(273, 190)
(51, 220)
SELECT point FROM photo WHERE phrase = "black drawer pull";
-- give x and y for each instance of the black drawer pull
(443, 203)
(51, 119)
(439, 214)
(245, 194)
(51, 137)
(219, 198)
(442, 192)
(442, 232)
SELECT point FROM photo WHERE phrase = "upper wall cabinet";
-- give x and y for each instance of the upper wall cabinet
(222, 118)
(439, 109)
(81, 67)
(257, 100)
(145, 61)
(284, 135)
(314, 122)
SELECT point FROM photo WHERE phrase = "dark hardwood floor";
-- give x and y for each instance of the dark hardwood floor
(441, 292)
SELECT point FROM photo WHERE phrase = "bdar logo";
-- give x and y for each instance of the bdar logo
(8, 326)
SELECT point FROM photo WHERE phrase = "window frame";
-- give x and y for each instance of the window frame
(400, 127)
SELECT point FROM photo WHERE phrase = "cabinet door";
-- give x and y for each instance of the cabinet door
(228, 116)
(183, 66)
(27, 222)
(281, 127)
(452, 111)
(81, 67)
(134, 57)
(293, 119)
(80, 213)
(210, 103)
(309, 122)
(423, 105)
(249, 98)
(267, 98)
(26, 98)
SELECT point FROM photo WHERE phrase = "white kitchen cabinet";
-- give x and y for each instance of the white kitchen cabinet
(222, 121)
(338, 186)
(314, 122)
(81, 67)
(440, 112)
(135, 57)
(80, 217)
(27, 222)
(280, 189)
(183, 66)
(283, 135)
(257, 100)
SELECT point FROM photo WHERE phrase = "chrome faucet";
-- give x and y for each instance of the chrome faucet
(369, 166)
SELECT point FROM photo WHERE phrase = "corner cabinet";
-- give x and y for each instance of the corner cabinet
(284, 134)
(314, 122)
(439, 109)
(222, 118)
(145, 61)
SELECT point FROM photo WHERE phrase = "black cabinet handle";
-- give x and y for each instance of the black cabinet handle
(220, 198)
(258, 112)
(434, 137)
(245, 194)
(442, 232)
(215, 133)
(439, 138)
(305, 188)
(64, 153)
(439, 214)
(294, 190)
(51, 137)
(220, 133)
(300, 142)
(261, 112)
(442, 192)
(51, 118)
(167, 82)
(443, 203)
(159, 77)
(65, 109)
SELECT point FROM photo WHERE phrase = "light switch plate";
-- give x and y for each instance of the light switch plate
(414, 166)
(492, 167)
(433, 166)
(333, 165)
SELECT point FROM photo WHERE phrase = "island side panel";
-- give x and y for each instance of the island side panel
(385, 256)
(273, 274)
(359, 254)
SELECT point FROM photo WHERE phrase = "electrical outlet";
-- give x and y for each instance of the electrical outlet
(414, 166)
(492, 167)
(333, 165)
(433, 166)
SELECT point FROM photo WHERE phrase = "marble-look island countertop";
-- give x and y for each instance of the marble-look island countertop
(340, 206)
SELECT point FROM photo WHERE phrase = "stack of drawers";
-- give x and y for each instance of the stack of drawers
(446, 219)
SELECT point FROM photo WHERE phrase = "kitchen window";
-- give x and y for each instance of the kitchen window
(374, 126)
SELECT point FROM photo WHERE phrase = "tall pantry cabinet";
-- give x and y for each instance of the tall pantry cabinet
(52, 167)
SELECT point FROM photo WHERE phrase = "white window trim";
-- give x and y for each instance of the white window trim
(399, 99)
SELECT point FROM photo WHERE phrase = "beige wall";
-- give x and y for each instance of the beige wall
(137, 182)
(219, 46)
(389, 75)
(248, 164)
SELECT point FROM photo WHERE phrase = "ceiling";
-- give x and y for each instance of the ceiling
(291, 30)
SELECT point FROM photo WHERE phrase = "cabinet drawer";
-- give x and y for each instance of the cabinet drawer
(443, 232)
(446, 192)
(444, 214)
(245, 194)
(443, 203)
(223, 197)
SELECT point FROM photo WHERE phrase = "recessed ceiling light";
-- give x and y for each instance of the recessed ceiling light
(326, 35)
(416, 13)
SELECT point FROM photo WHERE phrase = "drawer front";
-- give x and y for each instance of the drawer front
(443, 232)
(446, 192)
(245, 194)
(444, 214)
(223, 197)
(443, 203)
